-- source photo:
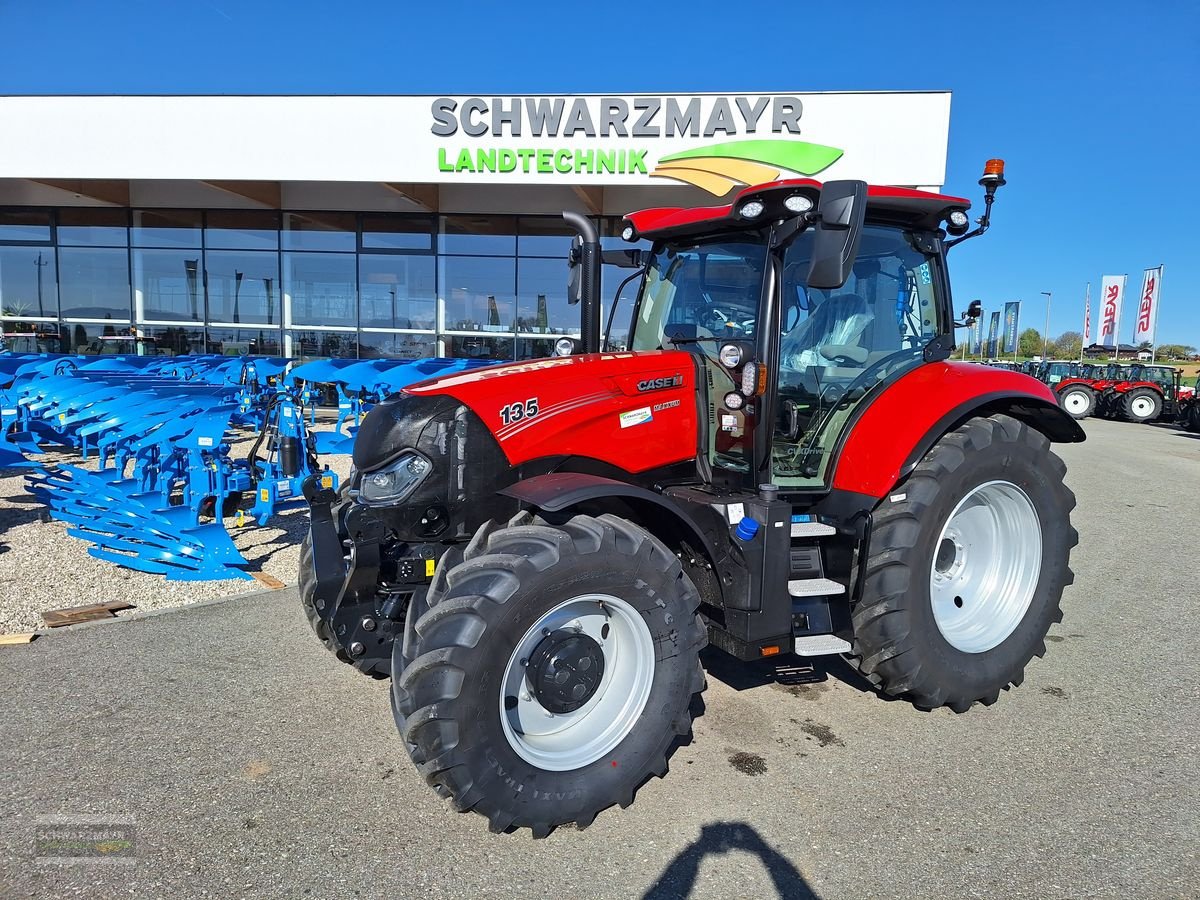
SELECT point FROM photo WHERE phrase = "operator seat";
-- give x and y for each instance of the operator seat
(840, 320)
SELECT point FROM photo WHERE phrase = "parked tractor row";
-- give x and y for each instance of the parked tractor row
(1132, 392)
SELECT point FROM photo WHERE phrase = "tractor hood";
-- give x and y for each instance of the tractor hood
(632, 410)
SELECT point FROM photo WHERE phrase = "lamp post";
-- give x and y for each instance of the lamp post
(1046, 333)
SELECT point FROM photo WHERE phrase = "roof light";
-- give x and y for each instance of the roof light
(798, 203)
(958, 218)
(629, 233)
(993, 173)
(752, 209)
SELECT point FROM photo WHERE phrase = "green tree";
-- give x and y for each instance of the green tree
(1030, 342)
(1067, 345)
(1175, 351)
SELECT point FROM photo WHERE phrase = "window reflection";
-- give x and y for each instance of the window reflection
(240, 341)
(319, 231)
(167, 285)
(542, 297)
(242, 229)
(373, 345)
(384, 232)
(323, 344)
(243, 287)
(28, 285)
(321, 288)
(479, 235)
(93, 227)
(94, 284)
(397, 291)
(24, 225)
(166, 227)
(478, 293)
(479, 347)
(170, 340)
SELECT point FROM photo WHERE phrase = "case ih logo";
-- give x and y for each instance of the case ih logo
(1110, 310)
(1147, 305)
(657, 384)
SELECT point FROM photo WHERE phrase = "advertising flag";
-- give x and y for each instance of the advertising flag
(1012, 315)
(1087, 316)
(993, 333)
(975, 336)
(1147, 313)
(1112, 291)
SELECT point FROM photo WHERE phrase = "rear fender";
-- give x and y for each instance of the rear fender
(891, 435)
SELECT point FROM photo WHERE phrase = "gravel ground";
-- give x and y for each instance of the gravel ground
(42, 568)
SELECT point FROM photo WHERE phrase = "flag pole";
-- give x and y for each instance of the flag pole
(1154, 322)
(1087, 320)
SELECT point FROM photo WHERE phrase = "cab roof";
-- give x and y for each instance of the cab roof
(920, 209)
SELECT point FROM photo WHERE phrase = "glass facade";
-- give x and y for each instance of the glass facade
(298, 283)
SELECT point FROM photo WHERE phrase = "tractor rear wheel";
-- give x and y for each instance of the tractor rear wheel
(1141, 405)
(969, 560)
(1078, 401)
(553, 672)
(1192, 422)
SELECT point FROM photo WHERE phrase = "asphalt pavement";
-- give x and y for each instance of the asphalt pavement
(250, 763)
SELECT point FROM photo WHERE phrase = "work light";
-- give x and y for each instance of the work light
(752, 209)
(798, 203)
(734, 400)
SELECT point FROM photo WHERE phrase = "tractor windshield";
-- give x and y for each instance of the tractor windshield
(707, 291)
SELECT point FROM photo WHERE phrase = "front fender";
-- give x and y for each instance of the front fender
(899, 426)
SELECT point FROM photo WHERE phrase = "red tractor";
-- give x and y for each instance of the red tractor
(1080, 395)
(1143, 394)
(784, 461)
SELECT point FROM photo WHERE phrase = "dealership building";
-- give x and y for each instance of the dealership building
(381, 225)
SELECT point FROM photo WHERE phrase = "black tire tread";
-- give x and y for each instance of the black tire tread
(881, 650)
(447, 634)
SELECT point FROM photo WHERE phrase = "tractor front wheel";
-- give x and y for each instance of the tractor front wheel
(553, 671)
(1078, 401)
(969, 558)
(1141, 405)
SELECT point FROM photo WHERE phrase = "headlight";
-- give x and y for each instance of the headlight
(396, 481)
(730, 356)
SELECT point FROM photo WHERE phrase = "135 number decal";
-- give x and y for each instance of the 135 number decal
(515, 412)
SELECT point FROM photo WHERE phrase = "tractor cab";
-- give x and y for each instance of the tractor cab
(1055, 371)
(793, 333)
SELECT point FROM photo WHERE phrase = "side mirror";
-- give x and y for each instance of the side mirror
(974, 310)
(838, 233)
(575, 271)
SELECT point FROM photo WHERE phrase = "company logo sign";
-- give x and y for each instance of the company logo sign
(658, 384)
(585, 129)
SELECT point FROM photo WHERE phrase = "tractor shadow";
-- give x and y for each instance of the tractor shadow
(783, 670)
(678, 879)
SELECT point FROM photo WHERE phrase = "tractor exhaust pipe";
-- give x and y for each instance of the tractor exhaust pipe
(583, 285)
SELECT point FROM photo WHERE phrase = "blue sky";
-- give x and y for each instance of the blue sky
(1095, 106)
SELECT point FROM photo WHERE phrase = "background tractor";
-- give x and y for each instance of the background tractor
(1143, 394)
(785, 460)
(1081, 395)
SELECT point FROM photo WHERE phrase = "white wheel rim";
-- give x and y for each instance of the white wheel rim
(1142, 407)
(565, 741)
(986, 565)
(1075, 401)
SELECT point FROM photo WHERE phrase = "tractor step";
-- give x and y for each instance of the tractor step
(812, 529)
(821, 645)
(814, 587)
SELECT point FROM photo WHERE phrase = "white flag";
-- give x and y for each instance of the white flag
(1147, 313)
(1112, 291)
(1087, 316)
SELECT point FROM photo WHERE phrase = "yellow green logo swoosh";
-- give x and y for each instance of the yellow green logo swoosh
(719, 168)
